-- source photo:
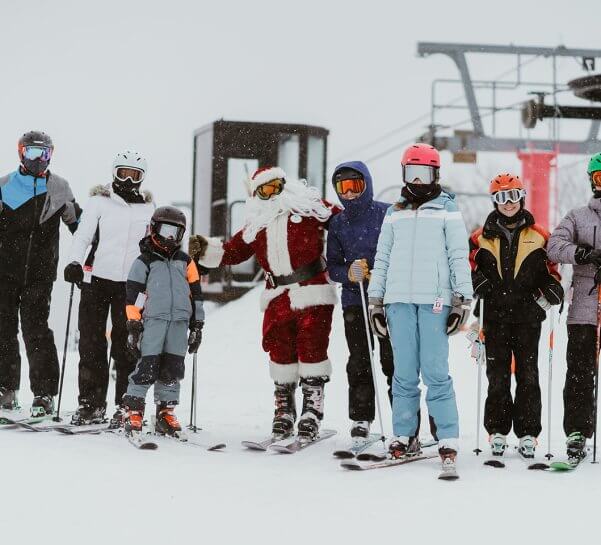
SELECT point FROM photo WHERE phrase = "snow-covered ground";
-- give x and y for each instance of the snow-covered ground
(99, 490)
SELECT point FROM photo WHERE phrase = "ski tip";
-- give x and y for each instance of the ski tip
(217, 447)
(448, 477)
(343, 454)
(539, 466)
(494, 463)
(148, 446)
(351, 466)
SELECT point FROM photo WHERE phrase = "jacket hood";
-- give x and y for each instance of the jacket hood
(361, 203)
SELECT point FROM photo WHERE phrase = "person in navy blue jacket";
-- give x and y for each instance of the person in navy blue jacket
(353, 235)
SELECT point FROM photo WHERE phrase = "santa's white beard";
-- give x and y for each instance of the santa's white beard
(296, 198)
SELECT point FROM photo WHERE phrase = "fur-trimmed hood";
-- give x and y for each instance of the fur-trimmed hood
(106, 191)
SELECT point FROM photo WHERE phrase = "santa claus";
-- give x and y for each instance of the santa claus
(284, 229)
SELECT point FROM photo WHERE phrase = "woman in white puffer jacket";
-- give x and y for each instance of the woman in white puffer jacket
(114, 220)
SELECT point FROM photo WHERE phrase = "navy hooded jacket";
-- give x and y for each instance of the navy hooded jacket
(353, 234)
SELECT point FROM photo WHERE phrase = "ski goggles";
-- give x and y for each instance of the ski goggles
(355, 185)
(37, 152)
(419, 174)
(508, 195)
(271, 188)
(134, 174)
(596, 177)
(169, 231)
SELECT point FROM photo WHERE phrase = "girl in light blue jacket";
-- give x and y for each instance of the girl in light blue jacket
(420, 291)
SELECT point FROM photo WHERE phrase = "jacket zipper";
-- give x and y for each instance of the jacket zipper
(35, 213)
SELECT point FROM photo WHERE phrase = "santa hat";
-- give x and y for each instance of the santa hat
(264, 175)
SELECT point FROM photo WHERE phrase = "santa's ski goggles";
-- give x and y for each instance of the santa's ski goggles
(271, 188)
(169, 231)
(37, 152)
(508, 195)
(355, 185)
(419, 174)
(596, 177)
(123, 174)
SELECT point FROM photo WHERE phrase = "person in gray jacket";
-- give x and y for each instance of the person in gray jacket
(163, 301)
(576, 241)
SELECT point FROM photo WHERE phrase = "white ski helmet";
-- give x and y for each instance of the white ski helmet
(129, 159)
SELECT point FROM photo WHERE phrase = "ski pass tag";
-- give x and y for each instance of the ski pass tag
(87, 274)
(437, 306)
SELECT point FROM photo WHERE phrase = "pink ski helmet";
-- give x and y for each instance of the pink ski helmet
(421, 154)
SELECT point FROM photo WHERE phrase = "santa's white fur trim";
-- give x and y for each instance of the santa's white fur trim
(315, 294)
(266, 176)
(213, 254)
(283, 373)
(278, 255)
(318, 369)
(302, 296)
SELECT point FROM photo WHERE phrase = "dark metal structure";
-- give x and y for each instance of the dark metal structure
(225, 154)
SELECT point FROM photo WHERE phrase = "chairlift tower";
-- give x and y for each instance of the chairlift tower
(538, 156)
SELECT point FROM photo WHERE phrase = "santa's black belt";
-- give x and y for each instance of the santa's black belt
(302, 274)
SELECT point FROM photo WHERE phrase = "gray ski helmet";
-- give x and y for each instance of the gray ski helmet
(160, 233)
(37, 139)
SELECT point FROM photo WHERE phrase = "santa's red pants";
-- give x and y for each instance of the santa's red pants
(298, 336)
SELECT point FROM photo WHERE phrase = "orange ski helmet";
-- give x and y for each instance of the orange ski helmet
(504, 182)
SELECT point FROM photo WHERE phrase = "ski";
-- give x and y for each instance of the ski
(569, 464)
(261, 445)
(357, 446)
(379, 456)
(354, 465)
(141, 443)
(185, 439)
(297, 444)
(494, 462)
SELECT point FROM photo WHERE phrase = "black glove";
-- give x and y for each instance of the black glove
(134, 330)
(553, 293)
(377, 318)
(195, 337)
(74, 273)
(459, 314)
(483, 287)
(586, 255)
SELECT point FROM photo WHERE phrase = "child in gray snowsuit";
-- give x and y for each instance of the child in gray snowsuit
(163, 302)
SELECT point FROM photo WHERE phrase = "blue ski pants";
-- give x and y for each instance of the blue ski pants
(420, 344)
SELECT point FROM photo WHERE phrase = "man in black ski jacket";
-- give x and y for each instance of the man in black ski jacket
(32, 203)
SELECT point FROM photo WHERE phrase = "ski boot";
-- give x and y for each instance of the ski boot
(360, 429)
(527, 446)
(116, 421)
(308, 425)
(8, 400)
(498, 444)
(448, 456)
(400, 446)
(133, 422)
(42, 406)
(167, 423)
(285, 411)
(87, 414)
(576, 447)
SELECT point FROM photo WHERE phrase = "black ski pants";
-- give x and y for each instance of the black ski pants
(501, 411)
(98, 298)
(579, 390)
(358, 369)
(33, 303)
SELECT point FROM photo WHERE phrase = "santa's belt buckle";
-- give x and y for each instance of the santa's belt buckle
(270, 280)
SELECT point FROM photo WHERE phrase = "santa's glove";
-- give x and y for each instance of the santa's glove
(134, 330)
(377, 318)
(460, 312)
(358, 271)
(586, 255)
(197, 247)
(74, 273)
(195, 337)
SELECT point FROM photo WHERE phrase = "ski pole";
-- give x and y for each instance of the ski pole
(598, 347)
(371, 360)
(548, 456)
(192, 425)
(481, 364)
(57, 418)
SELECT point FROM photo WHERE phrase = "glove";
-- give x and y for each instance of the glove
(476, 343)
(195, 337)
(460, 312)
(73, 273)
(358, 271)
(134, 330)
(377, 318)
(543, 303)
(553, 293)
(197, 247)
(586, 255)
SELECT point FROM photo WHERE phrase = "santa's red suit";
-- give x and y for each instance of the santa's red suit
(298, 316)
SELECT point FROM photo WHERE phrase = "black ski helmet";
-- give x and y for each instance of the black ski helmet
(162, 234)
(36, 139)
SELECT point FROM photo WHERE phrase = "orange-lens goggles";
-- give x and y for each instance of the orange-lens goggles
(273, 187)
(596, 177)
(355, 185)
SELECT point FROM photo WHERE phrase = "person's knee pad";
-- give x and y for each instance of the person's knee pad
(147, 370)
(172, 368)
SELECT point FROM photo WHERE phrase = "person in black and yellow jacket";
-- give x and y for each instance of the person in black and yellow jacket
(511, 273)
